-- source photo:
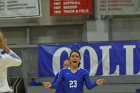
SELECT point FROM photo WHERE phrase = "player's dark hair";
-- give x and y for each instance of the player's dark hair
(79, 56)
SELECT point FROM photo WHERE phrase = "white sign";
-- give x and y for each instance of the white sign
(19, 8)
(119, 7)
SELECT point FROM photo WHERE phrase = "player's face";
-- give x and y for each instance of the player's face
(66, 64)
(75, 59)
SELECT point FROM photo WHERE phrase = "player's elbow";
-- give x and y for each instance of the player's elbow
(18, 63)
(89, 87)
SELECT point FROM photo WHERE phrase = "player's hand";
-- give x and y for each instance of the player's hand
(47, 84)
(100, 81)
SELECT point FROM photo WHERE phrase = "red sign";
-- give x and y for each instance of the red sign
(70, 7)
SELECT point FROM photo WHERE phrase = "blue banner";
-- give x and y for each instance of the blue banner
(105, 59)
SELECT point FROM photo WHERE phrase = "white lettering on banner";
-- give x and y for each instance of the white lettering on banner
(56, 58)
(129, 58)
(70, 7)
(57, 7)
(69, 11)
(106, 59)
(57, 3)
(93, 59)
(71, 3)
(57, 12)
(116, 73)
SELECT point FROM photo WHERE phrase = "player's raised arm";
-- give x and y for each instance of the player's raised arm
(9, 58)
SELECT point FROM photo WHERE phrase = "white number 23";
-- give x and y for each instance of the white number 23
(73, 83)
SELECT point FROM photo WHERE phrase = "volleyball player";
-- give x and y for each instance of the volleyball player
(74, 77)
(7, 59)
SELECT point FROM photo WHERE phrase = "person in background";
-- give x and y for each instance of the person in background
(7, 59)
(74, 77)
(66, 64)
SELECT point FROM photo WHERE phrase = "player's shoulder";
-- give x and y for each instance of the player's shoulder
(63, 70)
(2, 52)
(3, 55)
(83, 70)
(57, 74)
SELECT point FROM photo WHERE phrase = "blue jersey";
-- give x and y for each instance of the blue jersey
(58, 90)
(73, 82)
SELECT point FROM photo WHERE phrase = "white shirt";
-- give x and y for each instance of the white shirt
(7, 60)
